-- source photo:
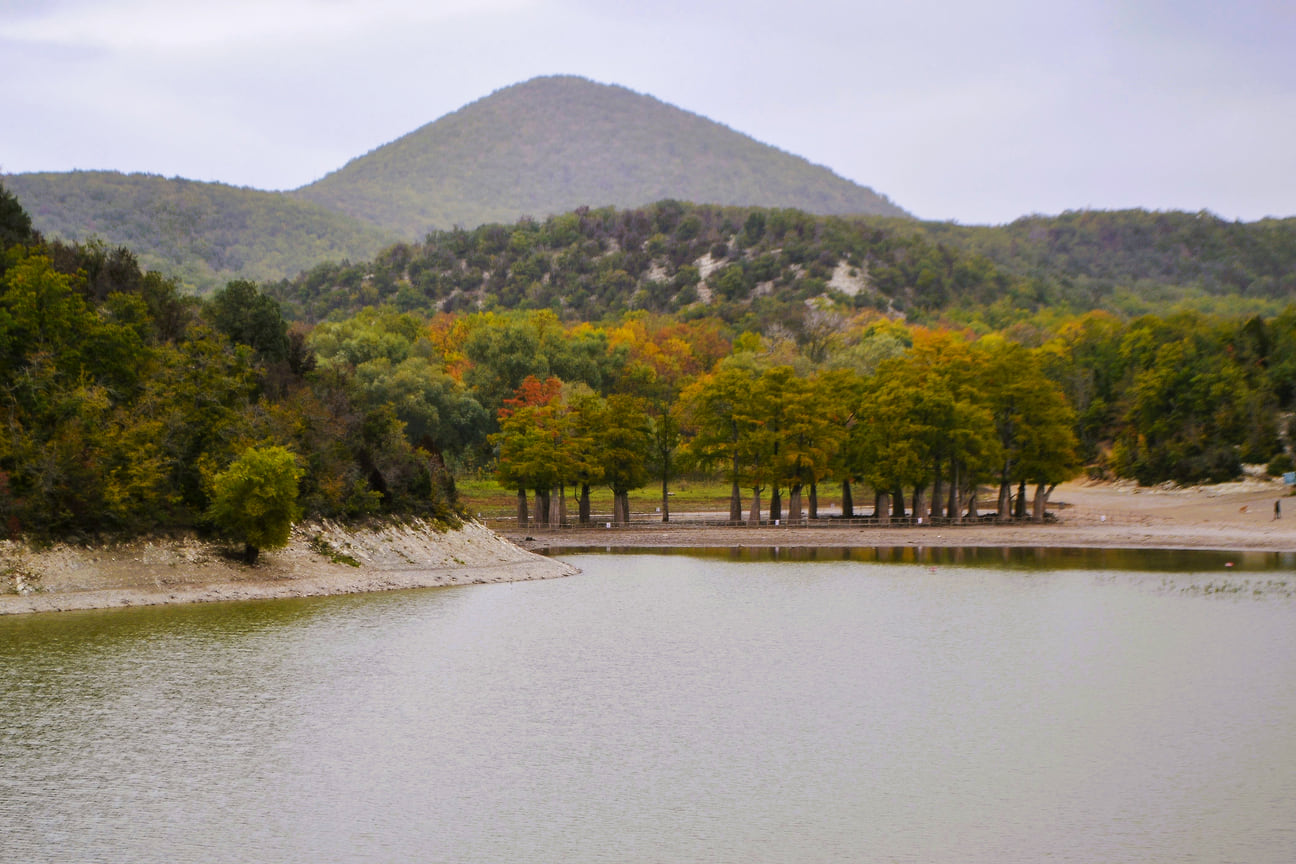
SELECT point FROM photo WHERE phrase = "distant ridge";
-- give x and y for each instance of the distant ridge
(552, 144)
(205, 234)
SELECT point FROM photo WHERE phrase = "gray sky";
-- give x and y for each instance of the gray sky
(973, 112)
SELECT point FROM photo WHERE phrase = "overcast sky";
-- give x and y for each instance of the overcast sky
(978, 112)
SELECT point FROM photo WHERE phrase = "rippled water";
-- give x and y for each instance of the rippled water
(670, 708)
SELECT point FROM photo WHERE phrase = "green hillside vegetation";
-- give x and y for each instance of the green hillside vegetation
(550, 145)
(756, 268)
(126, 403)
(203, 234)
(1133, 260)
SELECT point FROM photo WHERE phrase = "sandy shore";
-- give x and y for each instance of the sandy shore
(327, 559)
(322, 559)
(1230, 516)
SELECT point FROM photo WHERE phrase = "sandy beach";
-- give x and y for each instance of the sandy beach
(325, 559)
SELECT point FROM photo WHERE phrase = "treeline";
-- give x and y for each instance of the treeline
(1113, 248)
(936, 419)
(124, 401)
(202, 234)
(756, 267)
(1187, 398)
(751, 267)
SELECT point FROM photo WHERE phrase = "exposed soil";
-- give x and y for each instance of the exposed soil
(323, 558)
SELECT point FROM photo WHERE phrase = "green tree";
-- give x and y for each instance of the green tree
(248, 317)
(255, 499)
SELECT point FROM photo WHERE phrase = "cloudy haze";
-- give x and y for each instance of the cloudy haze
(974, 112)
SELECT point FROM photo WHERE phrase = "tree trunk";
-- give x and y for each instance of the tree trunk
(559, 516)
(918, 503)
(794, 504)
(250, 553)
(848, 503)
(555, 506)
(584, 504)
(754, 517)
(1041, 501)
(897, 503)
(1020, 510)
(522, 509)
(665, 499)
(882, 508)
(938, 491)
(952, 508)
(972, 502)
(1005, 498)
(814, 500)
(776, 505)
(735, 496)
(542, 507)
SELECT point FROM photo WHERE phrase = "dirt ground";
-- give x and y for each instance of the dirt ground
(1230, 516)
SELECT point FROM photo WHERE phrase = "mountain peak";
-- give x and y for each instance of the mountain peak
(555, 143)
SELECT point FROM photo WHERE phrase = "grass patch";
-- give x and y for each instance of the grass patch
(320, 545)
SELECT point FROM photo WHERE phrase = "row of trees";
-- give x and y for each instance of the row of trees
(1188, 397)
(936, 422)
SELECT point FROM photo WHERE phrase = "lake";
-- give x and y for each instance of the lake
(731, 706)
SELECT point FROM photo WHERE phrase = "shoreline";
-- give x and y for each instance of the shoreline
(327, 559)
(392, 556)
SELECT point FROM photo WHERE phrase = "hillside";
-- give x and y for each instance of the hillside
(756, 267)
(1099, 251)
(204, 234)
(551, 145)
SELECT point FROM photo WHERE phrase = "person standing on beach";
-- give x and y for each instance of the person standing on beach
(1278, 509)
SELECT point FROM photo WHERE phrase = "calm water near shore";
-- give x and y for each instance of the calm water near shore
(675, 708)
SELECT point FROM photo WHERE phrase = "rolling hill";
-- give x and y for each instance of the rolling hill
(205, 234)
(550, 145)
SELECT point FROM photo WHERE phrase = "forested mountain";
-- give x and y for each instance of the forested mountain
(1101, 252)
(203, 234)
(757, 267)
(550, 145)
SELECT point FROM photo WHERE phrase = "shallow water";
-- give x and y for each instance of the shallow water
(670, 708)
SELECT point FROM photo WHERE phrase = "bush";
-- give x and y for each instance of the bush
(255, 499)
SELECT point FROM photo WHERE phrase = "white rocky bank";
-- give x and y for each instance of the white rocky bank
(323, 558)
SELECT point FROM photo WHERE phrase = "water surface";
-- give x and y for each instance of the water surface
(669, 708)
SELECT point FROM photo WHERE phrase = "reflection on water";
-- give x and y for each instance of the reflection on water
(1029, 557)
(672, 708)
